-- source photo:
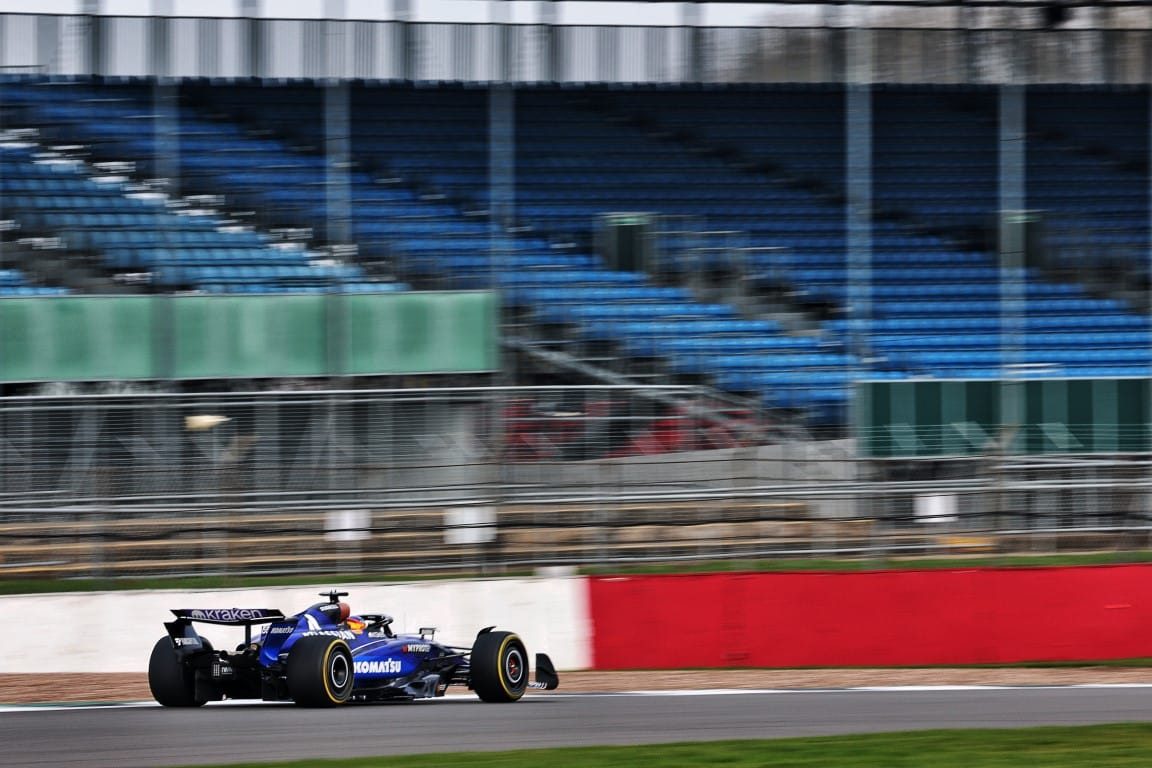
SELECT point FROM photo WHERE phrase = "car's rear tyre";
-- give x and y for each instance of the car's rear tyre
(172, 683)
(320, 672)
(499, 667)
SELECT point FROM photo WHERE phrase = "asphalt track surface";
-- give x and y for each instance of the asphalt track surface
(149, 735)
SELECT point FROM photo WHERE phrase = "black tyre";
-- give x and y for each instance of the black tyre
(172, 683)
(320, 672)
(499, 667)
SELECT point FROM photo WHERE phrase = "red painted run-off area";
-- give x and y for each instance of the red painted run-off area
(875, 618)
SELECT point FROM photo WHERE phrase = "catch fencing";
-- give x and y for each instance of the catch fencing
(303, 479)
(505, 479)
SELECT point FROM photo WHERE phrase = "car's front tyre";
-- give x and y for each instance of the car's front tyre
(173, 683)
(320, 672)
(499, 667)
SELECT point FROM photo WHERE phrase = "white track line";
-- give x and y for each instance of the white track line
(9, 708)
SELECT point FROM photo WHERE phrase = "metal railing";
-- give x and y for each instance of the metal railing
(472, 479)
(316, 448)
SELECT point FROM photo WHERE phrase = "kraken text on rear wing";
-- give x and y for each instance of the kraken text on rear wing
(231, 616)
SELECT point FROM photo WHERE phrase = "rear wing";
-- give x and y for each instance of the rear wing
(235, 617)
(186, 641)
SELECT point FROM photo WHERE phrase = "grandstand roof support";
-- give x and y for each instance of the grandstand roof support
(250, 11)
(95, 22)
(338, 155)
(405, 42)
(860, 71)
(160, 45)
(692, 18)
(552, 59)
(1013, 231)
(501, 156)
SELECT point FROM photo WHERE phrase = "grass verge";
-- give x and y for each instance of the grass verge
(1120, 745)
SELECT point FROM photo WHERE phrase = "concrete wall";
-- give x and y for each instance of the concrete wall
(115, 631)
(879, 618)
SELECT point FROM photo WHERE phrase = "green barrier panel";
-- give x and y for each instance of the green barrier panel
(420, 333)
(181, 337)
(969, 417)
(249, 336)
(75, 339)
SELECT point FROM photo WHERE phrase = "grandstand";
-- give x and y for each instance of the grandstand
(768, 313)
(883, 220)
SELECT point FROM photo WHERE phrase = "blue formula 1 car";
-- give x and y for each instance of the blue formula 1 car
(324, 656)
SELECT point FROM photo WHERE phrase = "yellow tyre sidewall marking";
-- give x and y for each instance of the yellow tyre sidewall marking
(327, 677)
(500, 662)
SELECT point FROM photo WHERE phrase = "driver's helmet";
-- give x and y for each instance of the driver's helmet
(337, 613)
